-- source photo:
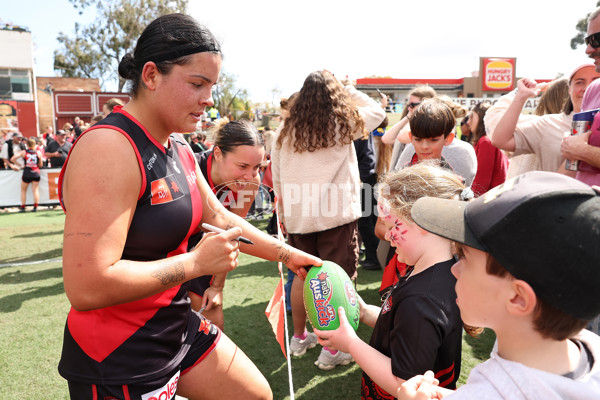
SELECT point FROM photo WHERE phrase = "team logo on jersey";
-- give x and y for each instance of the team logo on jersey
(387, 305)
(151, 161)
(175, 167)
(165, 190)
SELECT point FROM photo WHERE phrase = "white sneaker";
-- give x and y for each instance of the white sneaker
(298, 346)
(327, 361)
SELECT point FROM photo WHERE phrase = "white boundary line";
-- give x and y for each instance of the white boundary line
(20, 264)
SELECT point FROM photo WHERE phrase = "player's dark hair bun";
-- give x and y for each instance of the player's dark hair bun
(127, 67)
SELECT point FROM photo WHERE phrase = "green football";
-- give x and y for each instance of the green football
(327, 288)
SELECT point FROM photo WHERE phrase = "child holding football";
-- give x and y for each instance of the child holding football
(528, 270)
(418, 328)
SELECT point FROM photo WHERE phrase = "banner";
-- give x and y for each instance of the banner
(8, 116)
(10, 184)
(469, 102)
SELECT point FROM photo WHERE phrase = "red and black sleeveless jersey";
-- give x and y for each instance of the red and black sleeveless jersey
(420, 329)
(143, 339)
(225, 195)
(32, 168)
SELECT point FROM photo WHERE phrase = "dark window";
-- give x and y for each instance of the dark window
(5, 87)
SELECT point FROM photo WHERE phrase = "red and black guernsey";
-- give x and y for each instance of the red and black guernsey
(225, 195)
(420, 329)
(147, 338)
(31, 170)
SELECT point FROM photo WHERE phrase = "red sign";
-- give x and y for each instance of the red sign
(498, 74)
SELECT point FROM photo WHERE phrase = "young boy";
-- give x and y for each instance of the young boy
(432, 124)
(529, 270)
(431, 128)
(418, 326)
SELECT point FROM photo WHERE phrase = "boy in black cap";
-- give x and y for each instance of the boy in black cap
(529, 269)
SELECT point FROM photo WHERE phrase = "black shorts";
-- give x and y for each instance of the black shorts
(29, 179)
(339, 245)
(162, 388)
(200, 284)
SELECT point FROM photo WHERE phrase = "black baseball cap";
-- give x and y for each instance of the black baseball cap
(543, 227)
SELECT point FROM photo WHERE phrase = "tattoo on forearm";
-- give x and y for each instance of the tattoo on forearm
(230, 224)
(86, 234)
(170, 273)
(283, 254)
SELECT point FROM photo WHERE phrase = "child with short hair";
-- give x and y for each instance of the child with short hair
(431, 124)
(431, 128)
(530, 271)
(419, 326)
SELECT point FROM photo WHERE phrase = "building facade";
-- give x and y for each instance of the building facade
(17, 96)
(495, 77)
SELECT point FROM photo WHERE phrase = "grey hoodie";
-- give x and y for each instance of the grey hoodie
(498, 378)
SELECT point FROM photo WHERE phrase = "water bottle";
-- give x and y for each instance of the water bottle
(582, 122)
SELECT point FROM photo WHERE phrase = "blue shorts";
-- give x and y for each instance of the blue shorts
(161, 388)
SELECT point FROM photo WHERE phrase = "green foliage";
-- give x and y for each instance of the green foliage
(581, 27)
(228, 98)
(97, 49)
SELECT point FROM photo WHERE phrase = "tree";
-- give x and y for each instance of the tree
(97, 49)
(229, 99)
(581, 26)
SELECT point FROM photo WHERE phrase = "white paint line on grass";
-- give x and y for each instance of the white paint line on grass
(30, 262)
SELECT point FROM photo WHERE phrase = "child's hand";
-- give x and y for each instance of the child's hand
(341, 338)
(421, 387)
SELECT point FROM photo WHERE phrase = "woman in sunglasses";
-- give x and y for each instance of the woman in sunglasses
(586, 147)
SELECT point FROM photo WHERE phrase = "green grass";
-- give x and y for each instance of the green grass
(33, 308)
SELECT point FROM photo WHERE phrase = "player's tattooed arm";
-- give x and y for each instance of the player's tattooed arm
(169, 272)
(284, 253)
(84, 234)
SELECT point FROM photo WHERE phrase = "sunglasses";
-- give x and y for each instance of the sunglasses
(593, 40)
(413, 105)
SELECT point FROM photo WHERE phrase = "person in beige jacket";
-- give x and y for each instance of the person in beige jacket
(316, 179)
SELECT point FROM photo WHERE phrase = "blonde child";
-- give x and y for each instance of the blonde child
(418, 327)
(528, 269)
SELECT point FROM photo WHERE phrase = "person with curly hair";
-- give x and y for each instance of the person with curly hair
(316, 178)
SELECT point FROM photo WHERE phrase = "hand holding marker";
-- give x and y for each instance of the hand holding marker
(211, 228)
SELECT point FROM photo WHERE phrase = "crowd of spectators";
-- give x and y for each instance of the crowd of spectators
(334, 144)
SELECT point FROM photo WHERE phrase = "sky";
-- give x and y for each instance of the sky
(270, 46)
